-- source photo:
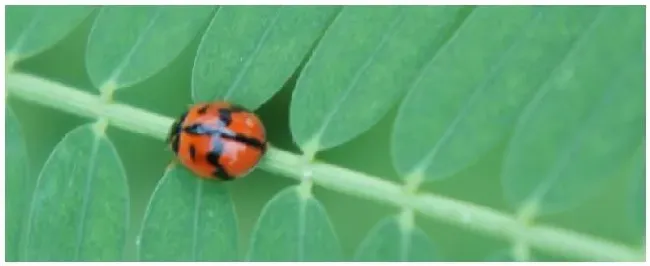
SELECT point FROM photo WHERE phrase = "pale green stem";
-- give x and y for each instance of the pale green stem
(525, 216)
(473, 217)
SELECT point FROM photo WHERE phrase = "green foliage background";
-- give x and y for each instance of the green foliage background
(606, 214)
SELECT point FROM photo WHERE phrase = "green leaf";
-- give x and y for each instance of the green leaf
(502, 255)
(31, 30)
(80, 207)
(586, 120)
(637, 192)
(362, 66)
(248, 52)
(18, 184)
(393, 240)
(468, 98)
(129, 44)
(294, 226)
(189, 219)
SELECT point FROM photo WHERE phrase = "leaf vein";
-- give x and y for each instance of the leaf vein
(196, 217)
(253, 54)
(390, 31)
(471, 101)
(302, 215)
(127, 58)
(87, 194)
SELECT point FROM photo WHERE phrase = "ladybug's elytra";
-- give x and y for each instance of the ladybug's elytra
(218, 140)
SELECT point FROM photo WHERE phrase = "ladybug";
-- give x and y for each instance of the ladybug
(218, 140)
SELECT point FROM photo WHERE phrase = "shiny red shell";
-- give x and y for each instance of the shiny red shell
(218, 140)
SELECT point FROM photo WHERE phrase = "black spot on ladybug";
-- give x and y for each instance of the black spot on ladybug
(225, 115)
(203, 109)
(194, 129)
(247, 140)
(192, 152)
(220, 173)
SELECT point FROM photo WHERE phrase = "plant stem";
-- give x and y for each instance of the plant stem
(473, 217)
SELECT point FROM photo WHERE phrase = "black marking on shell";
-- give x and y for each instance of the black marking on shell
(226, 116)
(220, 173)
(201, 110)
(193, 152)
(253, 142)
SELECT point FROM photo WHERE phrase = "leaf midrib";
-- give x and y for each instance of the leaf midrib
(90, 177)
(405, 241)
(564, 159)
(253, 55)
(544, 90)
(474, 97)
(302, 224)
(197, 213)
(127, 58)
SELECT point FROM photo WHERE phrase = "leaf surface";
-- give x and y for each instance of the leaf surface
(248, 52)
(129, 44)
(637, 206)
(80, 207)
(391, 240)
(189, 219)
(31, 30)
(585, 121)
(363, 64)
(468, 97)
(18, 184)
(294, 226)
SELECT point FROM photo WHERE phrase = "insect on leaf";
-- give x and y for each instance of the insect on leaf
(391, 240)
(31, 30)
(80, 207)
(294, 226)
(469, 96)
(585, 121)
(18, 185)
(129, 44)
(366, 59)
(248, 52)
(189, 219)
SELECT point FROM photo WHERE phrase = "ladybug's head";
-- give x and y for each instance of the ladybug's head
(174, 131)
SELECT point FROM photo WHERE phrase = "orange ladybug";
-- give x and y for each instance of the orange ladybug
(218, 140)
